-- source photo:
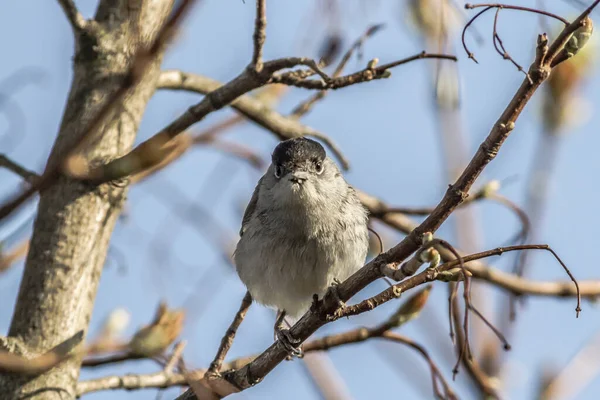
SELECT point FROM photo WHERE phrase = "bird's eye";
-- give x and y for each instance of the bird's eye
(319, 167)
(278, 171)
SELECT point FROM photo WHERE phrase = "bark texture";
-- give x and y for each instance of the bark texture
(75, 221)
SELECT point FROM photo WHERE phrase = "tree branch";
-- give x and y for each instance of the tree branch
(130, 382)
(150, 152)
(259, 37)
(368, 74)
(456, 193)
(16, 364)
(12, 166)
(286, 127)
(111, 359)
(253, 109)
(227, 340)
(406, 312)
(78, 23)
(8, 258)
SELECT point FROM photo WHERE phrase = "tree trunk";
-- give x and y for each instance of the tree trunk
(75, 221)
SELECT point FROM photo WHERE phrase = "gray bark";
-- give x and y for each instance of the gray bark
(75, 221)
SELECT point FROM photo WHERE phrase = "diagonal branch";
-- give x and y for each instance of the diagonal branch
(227, 340)
(12, 166)
(286, 127)
(78, 23)
(151, 152)
(456, 193)
(252, 108)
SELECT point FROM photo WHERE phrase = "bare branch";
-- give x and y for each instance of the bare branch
(253, 109)
(111, 359)
(368, 74)
(479, 377)
(517, 8)
(304, 107)
(285, 127)
(150, 152)
(13, 363)
(10, 257)
(408, 310)
(499, 46)
(130, 382)
(227, 340)
(78, 23)
(12, 166)
(260, 28)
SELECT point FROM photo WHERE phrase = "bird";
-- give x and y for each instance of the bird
(303, 231)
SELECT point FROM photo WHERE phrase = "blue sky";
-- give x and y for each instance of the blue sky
(389, 132)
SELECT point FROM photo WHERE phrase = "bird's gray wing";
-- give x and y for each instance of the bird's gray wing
(250, 207)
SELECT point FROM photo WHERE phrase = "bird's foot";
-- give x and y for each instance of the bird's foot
(334, 292)
(292, 345)
(329, 311)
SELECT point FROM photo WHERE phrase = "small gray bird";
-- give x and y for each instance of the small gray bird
(303, 231)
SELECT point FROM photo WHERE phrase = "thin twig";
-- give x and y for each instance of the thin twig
(150, 152)
(499, 46)
(304, 107)
(259, 36)
(520, 237)
(227, 340)
(175, 357)
(479, 377)
(498, 334)
(164, 380)
(253, 109)
(455, 194)
(517, 8)
(91, 362)
(365, 75)
(508, 281)
(12, 166)
(435, 371)
(8, 258)
(78, 23)
(464, 43)
(500, 6)
(466, 347)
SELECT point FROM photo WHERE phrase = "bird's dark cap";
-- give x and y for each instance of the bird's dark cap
(298, 150)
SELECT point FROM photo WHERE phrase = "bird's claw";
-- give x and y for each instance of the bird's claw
(333, 289)
(292, 345)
